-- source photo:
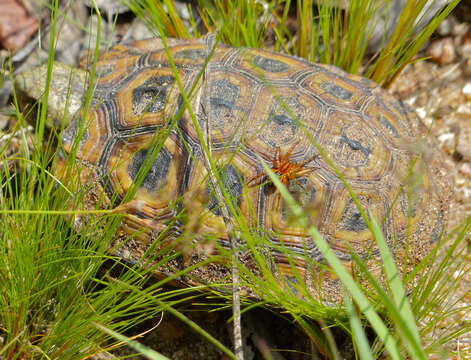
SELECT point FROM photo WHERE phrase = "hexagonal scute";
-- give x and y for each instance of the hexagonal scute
(127, 160)
(229, 106)
(412, 213)
(356, 147)
(235, 171)
(346, 229)
(336, 91)
(268, 68)
(112, 73)
(282, 119)
(391, 121)
(309, 191)
(149, 98)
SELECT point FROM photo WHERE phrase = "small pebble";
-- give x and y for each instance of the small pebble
(463, 143)
(442, 51)
(465, 169)
(464, 47)
(467, 91)
(4, 119)
(421, 112)
(448, 142)
(467, 67)
(460, 29)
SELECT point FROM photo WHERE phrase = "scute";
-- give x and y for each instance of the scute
(151, 96)
(352, 220)
(223, 102)
(121, 162)
(157, 174)
(252, 105)
(270, 65)
(338, 91)
(142, 100)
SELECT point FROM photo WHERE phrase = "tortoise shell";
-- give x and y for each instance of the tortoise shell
(251, 106)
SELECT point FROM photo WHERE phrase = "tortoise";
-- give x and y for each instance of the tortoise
(249, 107)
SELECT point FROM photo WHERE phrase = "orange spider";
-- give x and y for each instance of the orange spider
(285, 169)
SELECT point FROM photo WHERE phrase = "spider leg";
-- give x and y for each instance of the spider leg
(306, 170)
(277, 160)
(254, 179)
(312, 158)
(285, 167)
(290, 150)
(301, 186)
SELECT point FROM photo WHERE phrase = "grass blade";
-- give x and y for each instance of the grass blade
(143, 350)
(399, 295)
(361, 342)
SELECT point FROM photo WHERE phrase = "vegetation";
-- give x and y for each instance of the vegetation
(64, 295)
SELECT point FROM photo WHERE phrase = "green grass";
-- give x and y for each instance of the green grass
(60, 287)
(323, 34)
(65, 296)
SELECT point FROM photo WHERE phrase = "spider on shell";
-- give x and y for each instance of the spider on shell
(285, 169)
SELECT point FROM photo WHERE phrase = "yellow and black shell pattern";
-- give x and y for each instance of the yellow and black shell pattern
(251, 106)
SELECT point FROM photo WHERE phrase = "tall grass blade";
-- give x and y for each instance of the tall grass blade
(393, 278)
(359, 336)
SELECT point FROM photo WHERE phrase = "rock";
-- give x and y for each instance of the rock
(442, 51)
